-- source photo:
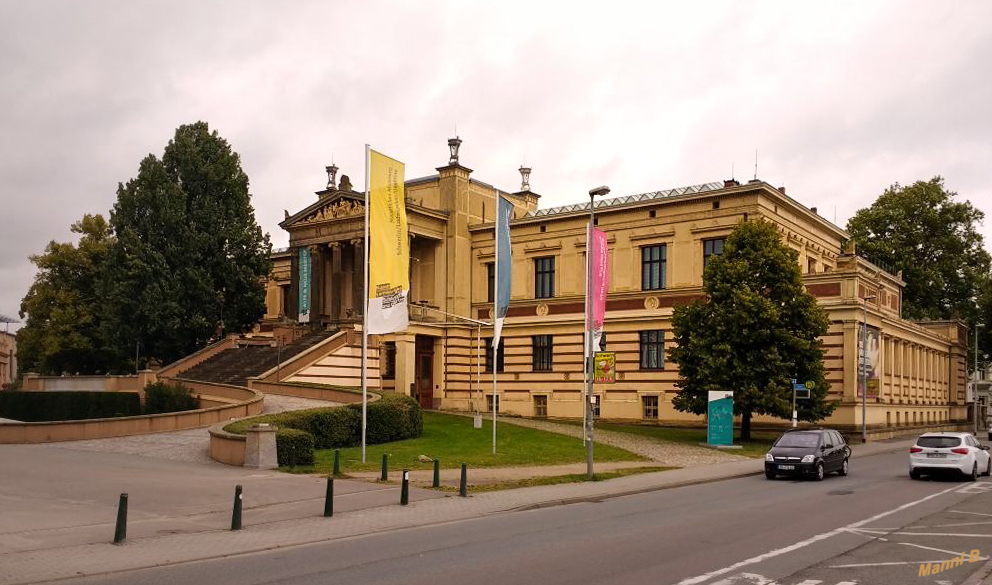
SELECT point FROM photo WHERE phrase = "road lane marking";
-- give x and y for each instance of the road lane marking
(950, 525)
(974, 513)
(953, 534)
(804, 543)
(976, 488)
(810, 582)
(950, 552)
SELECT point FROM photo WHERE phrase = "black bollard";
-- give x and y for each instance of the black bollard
(329, 498)
(292, 458)
(405, 490)
(120, 532)
(437, 474)
(385, 468)
(463, 486)
(236, 517)
(337, 462)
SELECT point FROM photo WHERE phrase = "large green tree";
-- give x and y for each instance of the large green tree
(756, 328)
(934, 240)
(190, 259)
(61, 333)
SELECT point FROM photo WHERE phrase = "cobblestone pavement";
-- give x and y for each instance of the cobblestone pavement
(663, 452)
(191, 445)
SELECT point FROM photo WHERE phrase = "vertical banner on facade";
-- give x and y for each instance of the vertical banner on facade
(868, 362)
(389, 247)
(304, 304)
(600, 284)
(720, 418)
(504, 211)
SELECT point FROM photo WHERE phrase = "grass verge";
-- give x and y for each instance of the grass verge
(759, 444)
(453, 440)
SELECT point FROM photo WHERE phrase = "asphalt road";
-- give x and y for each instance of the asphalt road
(875, 526)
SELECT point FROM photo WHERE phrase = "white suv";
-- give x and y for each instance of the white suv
(937, 452)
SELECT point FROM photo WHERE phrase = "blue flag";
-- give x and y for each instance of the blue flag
(504, 211)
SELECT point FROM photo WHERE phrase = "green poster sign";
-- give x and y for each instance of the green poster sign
(720, 418)
(304, 307)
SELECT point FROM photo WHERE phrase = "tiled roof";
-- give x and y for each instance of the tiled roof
(627, 200)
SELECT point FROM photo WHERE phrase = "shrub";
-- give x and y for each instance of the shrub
(165, 397)
(65, 405)
(294, 446)
(392, 418)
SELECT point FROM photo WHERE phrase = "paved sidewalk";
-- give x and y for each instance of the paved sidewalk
(93, 559)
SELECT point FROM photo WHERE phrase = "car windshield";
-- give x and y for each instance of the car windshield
(938, 442)
(798, 440)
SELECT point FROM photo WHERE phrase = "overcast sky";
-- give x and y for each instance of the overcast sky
(839, 99)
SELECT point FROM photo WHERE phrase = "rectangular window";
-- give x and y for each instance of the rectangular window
(811, 265)
(653, 350)
(490, 281)
(649, 407)
(541, 406)
(653, 264)
(389, 360)
(712, 248)
(542, 352)
(284, 293)
(499, 355)
(489, 403)
(544, 278)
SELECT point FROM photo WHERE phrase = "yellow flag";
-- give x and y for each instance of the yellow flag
(389, 246)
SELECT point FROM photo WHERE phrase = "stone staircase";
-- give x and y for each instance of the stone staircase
(234, 366)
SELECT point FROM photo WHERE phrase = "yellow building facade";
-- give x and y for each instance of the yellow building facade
(659, 243)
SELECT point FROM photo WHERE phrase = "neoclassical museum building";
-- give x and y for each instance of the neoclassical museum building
(659, 243)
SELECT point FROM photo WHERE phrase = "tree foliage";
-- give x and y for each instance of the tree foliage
(61, 332)
(934, 240)
(756, 329)
(189, 259)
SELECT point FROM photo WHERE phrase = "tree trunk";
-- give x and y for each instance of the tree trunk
(745, 426)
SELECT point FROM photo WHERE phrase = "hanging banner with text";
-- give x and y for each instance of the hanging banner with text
(389, 247)
(600, 283)
(504, 211)
(869, 362)
(304, 304)
(604, 367)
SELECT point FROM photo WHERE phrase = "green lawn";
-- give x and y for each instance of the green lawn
(454, 440)
(759, 444)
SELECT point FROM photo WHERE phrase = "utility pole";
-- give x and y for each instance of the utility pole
(974, 380)
(601, 191)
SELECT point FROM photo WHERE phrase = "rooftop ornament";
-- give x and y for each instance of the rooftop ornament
(525, 178)
(454, 144)
(332, 172)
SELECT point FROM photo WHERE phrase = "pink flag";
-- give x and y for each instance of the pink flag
(600, 283)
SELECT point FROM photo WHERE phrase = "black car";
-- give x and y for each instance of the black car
(808, 452)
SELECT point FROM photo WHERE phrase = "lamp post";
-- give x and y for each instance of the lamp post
(602, 192)
(974, 383)
(864, 372)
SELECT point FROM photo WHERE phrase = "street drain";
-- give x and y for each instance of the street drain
(840, 492)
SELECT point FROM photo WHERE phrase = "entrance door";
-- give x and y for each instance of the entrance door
(425, 371)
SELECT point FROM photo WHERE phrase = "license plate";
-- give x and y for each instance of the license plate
(935, 455)
(786, 467)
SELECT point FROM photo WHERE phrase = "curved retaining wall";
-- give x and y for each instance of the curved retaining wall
(231, 402)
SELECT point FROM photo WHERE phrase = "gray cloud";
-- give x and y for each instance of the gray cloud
(840, 102)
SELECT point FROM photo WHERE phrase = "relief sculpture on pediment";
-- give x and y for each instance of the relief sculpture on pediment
(338, 209)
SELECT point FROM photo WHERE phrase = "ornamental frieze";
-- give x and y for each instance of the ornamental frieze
(336, 210)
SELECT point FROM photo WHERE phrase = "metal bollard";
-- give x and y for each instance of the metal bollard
(236, 517)
(463, 486)
(437, 474)
(120, 532)
(405, 490)
(385, 468)
(337, 462)
(329, 498)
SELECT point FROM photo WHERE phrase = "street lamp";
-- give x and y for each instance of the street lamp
(601, 191)
(864, 373)
(974, 383)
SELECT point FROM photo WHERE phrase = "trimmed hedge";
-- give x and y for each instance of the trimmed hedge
(294, 447)
(67, 405)
(393, 417)
(165, 397)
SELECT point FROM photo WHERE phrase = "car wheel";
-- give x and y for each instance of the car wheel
(819, 472)
(974, 472)
(914, 474)
(769, 475)
(845, 468)
(988, 468)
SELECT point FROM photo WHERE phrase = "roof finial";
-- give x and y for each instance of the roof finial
(454, 144)
(332, 172)
(524, 178)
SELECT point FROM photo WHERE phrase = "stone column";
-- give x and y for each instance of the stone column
(316, 284)
(406, 365)
(260, 447)
(335, 284)
(358, 275)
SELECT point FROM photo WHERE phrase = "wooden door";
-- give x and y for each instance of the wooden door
(425, 371)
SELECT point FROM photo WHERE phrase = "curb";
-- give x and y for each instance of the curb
(978, 577)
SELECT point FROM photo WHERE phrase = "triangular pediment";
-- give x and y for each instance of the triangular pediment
(338, 205)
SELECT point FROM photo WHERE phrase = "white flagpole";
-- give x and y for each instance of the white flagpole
(365, 307)
(495, 312)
